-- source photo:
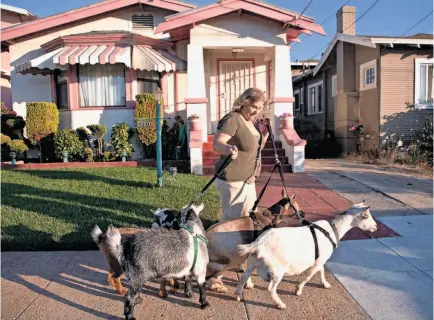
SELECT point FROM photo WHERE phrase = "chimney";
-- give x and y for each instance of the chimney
(345, 18)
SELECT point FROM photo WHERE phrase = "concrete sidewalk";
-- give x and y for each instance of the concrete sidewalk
(73, 285)
(390, 278)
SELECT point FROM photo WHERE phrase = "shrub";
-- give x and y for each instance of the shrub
(108, 156)
(67, 141)
(42, 120)
(144, 118)
(425, 140)
(88, 154)
(17, 146)
(99, 130)
(5, 139)
(119, 137)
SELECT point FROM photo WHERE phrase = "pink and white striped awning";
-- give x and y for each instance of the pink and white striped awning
(143, 58)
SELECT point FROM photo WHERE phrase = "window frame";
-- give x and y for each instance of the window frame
(105, 106)
(417, 63)
(334, 85)
(295, 100)
(363, 69)
(317, 103)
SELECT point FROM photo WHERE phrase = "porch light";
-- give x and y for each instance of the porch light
(235, 51)
(158, 94)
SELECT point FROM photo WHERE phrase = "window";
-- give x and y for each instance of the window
(296, 100)
(423, 86)
(102, 85)
(61, 89)
(302, 98)
(315, 98)
(368, 75)
(147, 81)
(334, 85)
(143, 22)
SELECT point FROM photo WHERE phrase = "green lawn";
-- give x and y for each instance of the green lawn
(56, 209)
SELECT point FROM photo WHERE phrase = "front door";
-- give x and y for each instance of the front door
(234, 78)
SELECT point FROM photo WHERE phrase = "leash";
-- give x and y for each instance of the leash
(224, 165)
(195, 237)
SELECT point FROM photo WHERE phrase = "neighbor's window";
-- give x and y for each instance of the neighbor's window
(297, 100)
(143, 22)
(315, 98)
(423, 86)
(334, 85)
(102, 85)
(61, 90)
(368, 75)
(147, 81)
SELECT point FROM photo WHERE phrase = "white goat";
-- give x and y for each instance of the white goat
(291, 251)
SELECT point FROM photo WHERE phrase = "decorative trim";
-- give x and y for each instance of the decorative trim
(130, 80)
(283, 99)
(218, 77)
(164, 86)
(175, 86)
(73, 90)
(195, 100)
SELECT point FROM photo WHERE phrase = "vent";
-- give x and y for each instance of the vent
(143, 22)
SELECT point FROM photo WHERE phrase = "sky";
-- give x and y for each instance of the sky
(387, 18)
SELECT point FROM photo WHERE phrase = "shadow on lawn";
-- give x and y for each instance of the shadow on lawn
(84, 176)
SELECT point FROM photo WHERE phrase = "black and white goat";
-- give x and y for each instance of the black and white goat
(291, 251)
(163, 253)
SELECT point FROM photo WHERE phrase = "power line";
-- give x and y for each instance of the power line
(363, 14)
(326, 20)
(301, 14)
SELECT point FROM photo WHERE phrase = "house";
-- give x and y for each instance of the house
(300, 67)
(9, 16)
(367, 80)
(93, 61)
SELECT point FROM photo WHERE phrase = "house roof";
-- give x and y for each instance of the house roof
(21, 11)
(300, 24)
(371, 41)
(75, 15)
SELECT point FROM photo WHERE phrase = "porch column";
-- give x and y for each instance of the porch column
(196, 102)
(283, 100)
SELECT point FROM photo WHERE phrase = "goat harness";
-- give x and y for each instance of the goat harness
(195, 242)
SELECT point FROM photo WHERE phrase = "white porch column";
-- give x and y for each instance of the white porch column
(196, 99)
(283, 100)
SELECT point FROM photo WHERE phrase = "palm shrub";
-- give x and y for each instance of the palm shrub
(67, 140)
(42, 121)
(98, 130)
(119, 139)
(144, 118)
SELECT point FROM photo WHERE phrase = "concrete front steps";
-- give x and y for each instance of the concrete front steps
(209, 157)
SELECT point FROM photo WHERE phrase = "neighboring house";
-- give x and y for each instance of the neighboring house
(93, 61)
(365, 80)
(9, 16)
(300, 67)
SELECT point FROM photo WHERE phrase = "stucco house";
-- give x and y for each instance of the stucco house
(92, 61)
(9, 16)
(367, 80)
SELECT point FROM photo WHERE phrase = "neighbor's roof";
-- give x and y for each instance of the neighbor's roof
(85, 12)
(372, 41)
(21, 11)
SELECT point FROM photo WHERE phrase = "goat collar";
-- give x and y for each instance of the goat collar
(195, 242)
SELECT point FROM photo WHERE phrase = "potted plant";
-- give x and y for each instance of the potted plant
(286, 121)
(16, 147)
(194, 122)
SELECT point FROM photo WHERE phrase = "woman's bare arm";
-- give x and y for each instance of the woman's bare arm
(221, 146)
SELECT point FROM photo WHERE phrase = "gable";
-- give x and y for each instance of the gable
(92, 12)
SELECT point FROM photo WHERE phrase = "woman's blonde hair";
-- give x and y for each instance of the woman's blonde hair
(250, 96)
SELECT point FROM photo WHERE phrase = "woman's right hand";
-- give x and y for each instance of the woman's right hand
(233, 151)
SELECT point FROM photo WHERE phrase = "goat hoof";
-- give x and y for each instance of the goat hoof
(298, 293)
(163, 294)
(139, 300)
(327, 285)
(250, 285)
(238, 298)
(188, 295)
(281, 306)
(205, 305)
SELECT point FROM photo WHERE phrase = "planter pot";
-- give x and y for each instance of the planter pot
(286, 123)
(65, 156)
(13, 155)
(195, 125)
(124, 156)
